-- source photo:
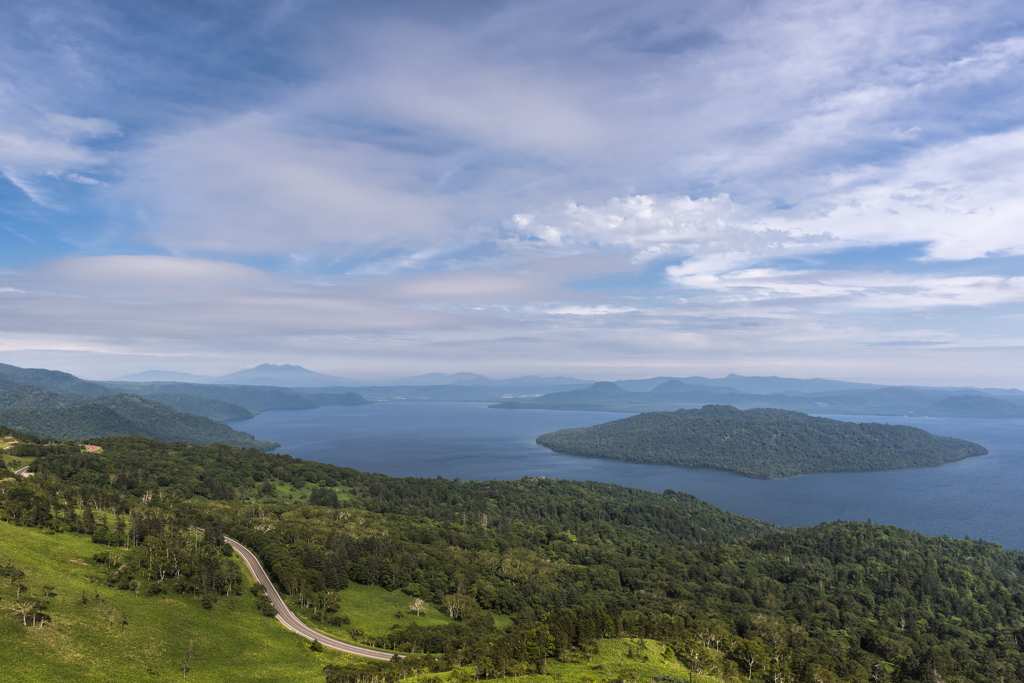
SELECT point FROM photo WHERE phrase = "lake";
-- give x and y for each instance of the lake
(980, 497)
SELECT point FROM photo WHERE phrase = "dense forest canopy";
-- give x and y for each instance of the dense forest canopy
(571, 562)
(72, 416)
(759, 442)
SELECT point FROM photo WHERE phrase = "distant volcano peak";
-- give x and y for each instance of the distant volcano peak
(605, 388)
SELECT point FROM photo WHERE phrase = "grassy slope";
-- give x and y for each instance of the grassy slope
(9, 460)
(372, 610)
(613, 661)
(14, 464)
(231, 642)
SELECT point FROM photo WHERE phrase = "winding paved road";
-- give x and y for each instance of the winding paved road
(288, 618)
(23, 472)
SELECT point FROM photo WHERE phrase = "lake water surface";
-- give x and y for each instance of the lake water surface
(981, 497)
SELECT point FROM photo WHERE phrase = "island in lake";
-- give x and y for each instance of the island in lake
(761, 442)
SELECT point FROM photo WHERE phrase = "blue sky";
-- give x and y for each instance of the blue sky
(605, 189)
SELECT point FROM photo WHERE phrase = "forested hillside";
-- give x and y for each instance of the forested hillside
(54, 404)
(255, 399)
(570, 562)
(218, 411)
(69, 416)
(759, 442)
(51, 380)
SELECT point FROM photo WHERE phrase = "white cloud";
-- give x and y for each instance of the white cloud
(450, 83)
(857, 290)
(130, 313)
(250, 185)
(591, 310)
(82, 180)
(962, 199)
(472, 287)
(170, 298)
(420, 135)
(652, 226)
(35, 143)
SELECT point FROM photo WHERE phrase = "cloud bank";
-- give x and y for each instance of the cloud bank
(772, 187)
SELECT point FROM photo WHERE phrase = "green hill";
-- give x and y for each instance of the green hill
(57, 405)
(255, 399)
(348, 398)
(973, 405)
(95, 632)
(79, 422)
(28, 396)
(51, 380)
(760, 442)
(539, 578)
(218, 411)
(47, 414)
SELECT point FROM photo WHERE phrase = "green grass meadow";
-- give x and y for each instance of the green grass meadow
(616, 659)
(231, 642)
(14, 463)
(372, 611)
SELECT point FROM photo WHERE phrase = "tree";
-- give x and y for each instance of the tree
(750, 653)
(454, 603)
(326, 602)
(418, 606)
(24, 608)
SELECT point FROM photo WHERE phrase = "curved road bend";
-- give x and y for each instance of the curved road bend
(23, 472)
(288, 618)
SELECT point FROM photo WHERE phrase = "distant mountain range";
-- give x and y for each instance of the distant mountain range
(262, 375)
(752, 385)
(47, 403)
(473, 380)
(297, 377)
(674, 394)
(66, 406)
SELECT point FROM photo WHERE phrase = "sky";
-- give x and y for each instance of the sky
(589, 188)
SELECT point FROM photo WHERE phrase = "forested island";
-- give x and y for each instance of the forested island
(527, 577)
(759, 442)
